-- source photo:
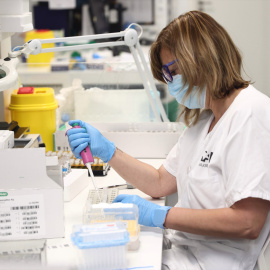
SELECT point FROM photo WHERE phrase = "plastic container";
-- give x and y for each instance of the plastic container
(24, 254)
(42, 59)
(35, 108)
(101, 245)
(127, 213)
(111, 106)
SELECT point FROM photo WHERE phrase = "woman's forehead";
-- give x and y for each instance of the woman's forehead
(166, 56)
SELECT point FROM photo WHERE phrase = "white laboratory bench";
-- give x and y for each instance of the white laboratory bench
(60, 252)
(116, 70)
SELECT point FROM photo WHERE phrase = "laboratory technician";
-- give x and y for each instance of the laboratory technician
(219, 166)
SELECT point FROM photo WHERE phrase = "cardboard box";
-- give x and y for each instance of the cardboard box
(31, 203)
(74, 182)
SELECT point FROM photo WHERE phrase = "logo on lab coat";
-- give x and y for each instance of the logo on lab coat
(205, 159)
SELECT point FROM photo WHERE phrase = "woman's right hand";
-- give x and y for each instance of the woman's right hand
(79, 138)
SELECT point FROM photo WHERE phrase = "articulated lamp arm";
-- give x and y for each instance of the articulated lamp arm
(130, 39)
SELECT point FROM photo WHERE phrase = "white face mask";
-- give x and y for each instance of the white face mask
(177, 89)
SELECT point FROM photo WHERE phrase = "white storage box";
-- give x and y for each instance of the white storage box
(74, 182)
(6, 139)
(29, 254)
(140, 140)
(31, 203)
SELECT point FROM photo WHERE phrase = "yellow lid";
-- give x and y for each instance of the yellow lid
(33, 99)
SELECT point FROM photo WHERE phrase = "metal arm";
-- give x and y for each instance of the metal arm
(130, 39)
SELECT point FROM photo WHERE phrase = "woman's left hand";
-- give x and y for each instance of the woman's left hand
(150, 214)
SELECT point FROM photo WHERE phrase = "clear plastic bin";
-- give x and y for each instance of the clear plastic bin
(128, 213)
(101, 245)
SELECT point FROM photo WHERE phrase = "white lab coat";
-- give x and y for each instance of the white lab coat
(215, 170)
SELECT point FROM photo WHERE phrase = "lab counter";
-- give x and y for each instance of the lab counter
(60, 252)
(104, 79)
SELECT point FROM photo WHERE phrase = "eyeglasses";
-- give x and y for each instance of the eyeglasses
(166, 72)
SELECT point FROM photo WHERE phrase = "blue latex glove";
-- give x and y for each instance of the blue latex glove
(79, 138)
(150, 214)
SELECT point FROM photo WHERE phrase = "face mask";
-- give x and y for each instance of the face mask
(177, 89)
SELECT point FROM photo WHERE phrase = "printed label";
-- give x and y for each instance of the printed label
(22, 216)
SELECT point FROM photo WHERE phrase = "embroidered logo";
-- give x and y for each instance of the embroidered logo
(205, 159)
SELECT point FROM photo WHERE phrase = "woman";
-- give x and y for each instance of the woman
(220, 165)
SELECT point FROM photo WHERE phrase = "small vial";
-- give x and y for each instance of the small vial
(64, 171)
(72, 161)
(101, 161)
(81, 162)
(70, 154)
(64, 161)
(77, 162)
(59, 154)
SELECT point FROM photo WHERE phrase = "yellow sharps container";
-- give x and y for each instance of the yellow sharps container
(35, 108)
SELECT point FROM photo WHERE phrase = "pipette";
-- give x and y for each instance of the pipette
(88, 160)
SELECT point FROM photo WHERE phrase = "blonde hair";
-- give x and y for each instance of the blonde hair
(207, 57)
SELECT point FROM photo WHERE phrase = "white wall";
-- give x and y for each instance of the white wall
(177, 7)
(248, 23)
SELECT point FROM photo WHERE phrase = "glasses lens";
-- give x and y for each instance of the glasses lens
(166, 74)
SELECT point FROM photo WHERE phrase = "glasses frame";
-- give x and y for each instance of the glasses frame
(166, 71)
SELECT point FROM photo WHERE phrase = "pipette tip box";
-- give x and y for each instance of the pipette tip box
(101, 245)
(127, 213)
